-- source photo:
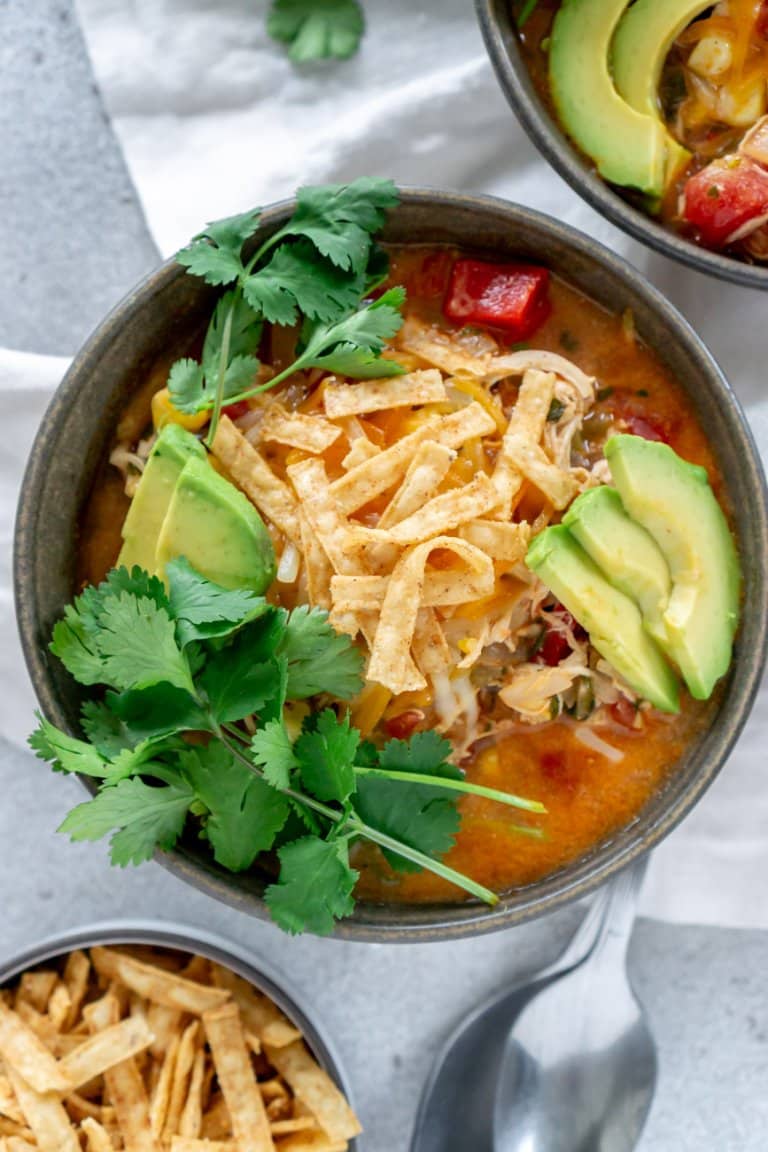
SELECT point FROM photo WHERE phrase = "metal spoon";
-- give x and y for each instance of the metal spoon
(458, 1102)
(579, 1067)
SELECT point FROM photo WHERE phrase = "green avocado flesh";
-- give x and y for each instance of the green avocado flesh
(612, 619)
(173, 448)
(674, 502)
(642, 42)
(628, 556)
(217, 529)
(628, 147)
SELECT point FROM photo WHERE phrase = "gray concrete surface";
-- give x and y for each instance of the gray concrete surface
(72, 241)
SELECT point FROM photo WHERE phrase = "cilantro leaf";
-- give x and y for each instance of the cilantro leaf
(66, 753)
(319, 658)
(104, 729)
(298, 280)
(137, 644)
(204, 610)
(315, 886)
(137, 582)
(272, 750)
(244, 337)
(326, 755)
(340, 219)
(366, 330)
(186, 385)
(161, 710)
(419, 815)
(317, 29)
(244, 813)
(144, 816)
(232, 232)
(237, 687)
(74, 647)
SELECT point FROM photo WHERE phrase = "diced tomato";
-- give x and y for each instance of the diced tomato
(762, 20)
(723, 197)
(235, 411)
(623, 712)
(402, 726)
(554, 648)
(513, 297)
(648, 429)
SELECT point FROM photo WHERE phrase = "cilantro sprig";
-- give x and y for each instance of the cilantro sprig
(181, 667)
(317, 270)
(317, 29)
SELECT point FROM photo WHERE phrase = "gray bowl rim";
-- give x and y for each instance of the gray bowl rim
(417, 923)
(187, 938)
(501, 41)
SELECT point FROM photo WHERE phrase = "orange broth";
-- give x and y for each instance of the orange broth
(588, 797)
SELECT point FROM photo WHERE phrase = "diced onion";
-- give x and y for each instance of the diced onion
(288, 568)
(590, 739)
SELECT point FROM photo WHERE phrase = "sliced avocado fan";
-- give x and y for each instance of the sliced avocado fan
(612, 619)
(642, 42)
(630, 146)
(674, 502)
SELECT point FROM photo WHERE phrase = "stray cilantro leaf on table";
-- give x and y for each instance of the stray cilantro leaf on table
(317, 29)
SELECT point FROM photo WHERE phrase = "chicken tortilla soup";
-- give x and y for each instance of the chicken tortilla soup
(414, 576)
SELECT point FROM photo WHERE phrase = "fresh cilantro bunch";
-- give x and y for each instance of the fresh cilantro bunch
(318, 269)
(196, 728)
(317, 29)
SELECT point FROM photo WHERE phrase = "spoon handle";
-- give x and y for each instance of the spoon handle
(614, 904)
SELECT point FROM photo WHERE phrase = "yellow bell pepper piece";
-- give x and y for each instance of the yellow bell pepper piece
(164, 412)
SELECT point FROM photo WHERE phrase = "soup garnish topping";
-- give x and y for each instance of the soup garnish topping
(669, 99)
(368, 552)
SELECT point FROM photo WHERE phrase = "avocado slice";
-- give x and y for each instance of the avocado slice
(673, 500)
(217, 529)
(172, 449)
(627, 555)
(628, 146)
(642, 42)
(612, 620)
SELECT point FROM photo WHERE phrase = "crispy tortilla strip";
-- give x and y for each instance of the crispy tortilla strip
(428, 467)
(502, 542)
(292, 1124)
(41, 1026)
(323, 514)
(59, 1006)
(316, 565)
(526, 426)
(23, 1051)
(12, 1128)
(250, 1124)
(558, 486)
(442, 588)
(98, 1139)
(518, 363)
(105, 1049)
(156, 983)
(250, 471)
(311, 434)
(391, 663)
(313, 1086)
(182, 1069)
(36, 988)
(441, 349)
(311, 1142)
(189, 1144)
(369, 480)
(192, 1112)
(45, 1115)
(438, 516)
(125, 1087)
(260, 1015)
(423, 387)
(161, 1094)
(430, 649)
(362, 450)
(216, 1124)
(164, 1023)
(9, 1106)
(77, 971)
(78, 1108)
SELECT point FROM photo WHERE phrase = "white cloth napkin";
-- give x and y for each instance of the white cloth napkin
(214, 119)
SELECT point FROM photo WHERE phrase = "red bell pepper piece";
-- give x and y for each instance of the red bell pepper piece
(723, 197)
(236, 410)
(509, 296)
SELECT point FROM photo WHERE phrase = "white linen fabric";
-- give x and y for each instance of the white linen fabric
(213, 119)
